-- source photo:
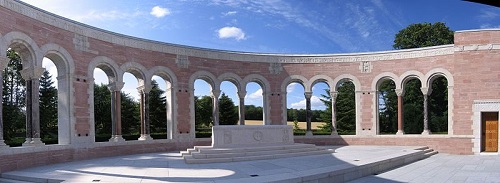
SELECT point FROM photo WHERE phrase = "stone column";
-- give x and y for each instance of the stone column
(32, 78)
(308, 96)
(215, 108)
(333, 96)
(241, 107)
(426, 93)
(399, 93)
(116, 113)
(144, 110)
(4, 61)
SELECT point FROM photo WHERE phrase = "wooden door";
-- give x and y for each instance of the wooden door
(491, 131)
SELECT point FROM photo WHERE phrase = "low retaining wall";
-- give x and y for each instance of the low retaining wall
(247, 135)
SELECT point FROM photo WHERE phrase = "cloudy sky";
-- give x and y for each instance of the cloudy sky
(271, 26)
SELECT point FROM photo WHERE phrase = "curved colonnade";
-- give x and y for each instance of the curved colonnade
(471, 67)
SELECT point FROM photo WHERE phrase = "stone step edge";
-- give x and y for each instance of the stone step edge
(209, 149)
(190, 160)
(202, 155)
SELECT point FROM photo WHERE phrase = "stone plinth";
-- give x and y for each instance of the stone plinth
(244, 135)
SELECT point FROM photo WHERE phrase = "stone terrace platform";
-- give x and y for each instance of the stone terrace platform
(347, 163)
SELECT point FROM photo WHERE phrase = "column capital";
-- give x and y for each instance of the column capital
(215, 93)
(399, 92)
(426, 91)
(308, 95)
(115, 86)
(144, 89)
(242, 94)
(32, 73)
(334, 95)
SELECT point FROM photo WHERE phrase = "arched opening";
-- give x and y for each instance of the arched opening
(296, 107)
(438, 106)
(13, 104)
(387, 107)
(413, 108)
(321, 106)
(48, 96)
(203, 108)
(158, 108)
(345, 108)
(228, 111)
(254, 110)
(102, 104)
(131, 124)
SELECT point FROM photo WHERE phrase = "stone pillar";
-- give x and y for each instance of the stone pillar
(215, 108)
(116, 113)
(32, 78)
(241, 107)
(308, 96)
(4, 61)
(333, 96)
(426, 93)
(399, 93)
(144, 110)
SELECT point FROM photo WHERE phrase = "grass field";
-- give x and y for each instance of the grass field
(302, 125)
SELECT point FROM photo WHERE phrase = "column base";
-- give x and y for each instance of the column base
(145, 137)
(426, 132)
(116, 138)
(309, 133)
(33, 142)
(334, 133)
(400, 132)
(2, 144)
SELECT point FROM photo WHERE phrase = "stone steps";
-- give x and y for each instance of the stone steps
(12, 178)
(207, 154)
(4, 180)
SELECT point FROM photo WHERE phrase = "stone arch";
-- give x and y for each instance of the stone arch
(377, 80)
(206, 76)
(138, 71)
(346, 77)
(171, 84)
(408, 75)
(265, 85)
(112, 70)
(429, 78)
(321, 78)
(295, 78)
(383, 76)
(233, 78)
(25, 46)
(65, 98)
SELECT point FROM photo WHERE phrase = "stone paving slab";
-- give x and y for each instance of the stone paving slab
(443, 168)
(170, 167)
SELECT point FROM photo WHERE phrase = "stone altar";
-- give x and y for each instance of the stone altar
(246, 135)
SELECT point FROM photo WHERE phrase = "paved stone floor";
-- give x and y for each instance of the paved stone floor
(169, 167)
(443, 168)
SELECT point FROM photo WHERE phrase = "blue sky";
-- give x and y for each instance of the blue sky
(271, 26)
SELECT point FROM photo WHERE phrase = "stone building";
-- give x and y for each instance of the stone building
(471, 67)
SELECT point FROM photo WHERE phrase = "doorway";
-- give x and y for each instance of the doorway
(489, 131)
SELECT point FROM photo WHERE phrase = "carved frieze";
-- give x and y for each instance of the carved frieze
(365, 67)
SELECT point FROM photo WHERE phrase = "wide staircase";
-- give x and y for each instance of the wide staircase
(208, 154)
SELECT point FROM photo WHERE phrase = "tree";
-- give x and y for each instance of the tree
(203, 111)
(423, 35)
(388, 107)
(14, 94)
(131, 121)
(48, 106)
(102, 109)
(346, 109)
(253, 112)
(157, 109)
(228, 115)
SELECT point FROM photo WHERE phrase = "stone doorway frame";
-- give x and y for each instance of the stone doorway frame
(478, 107)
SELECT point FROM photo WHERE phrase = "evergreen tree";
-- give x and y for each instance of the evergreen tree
(227, 113)
(326, 115)
(14, 94)
(346, 109)
(388, 107)
(203, 111)
(131, 118)
(413, 107)
(48, 106)
(102, 109)
(157, 109)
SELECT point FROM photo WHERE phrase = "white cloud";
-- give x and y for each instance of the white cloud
(291, 87)
(316, 104)
(231, 32)
(485, 14)
(159, 12)
(229, 13)
(255, 95)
